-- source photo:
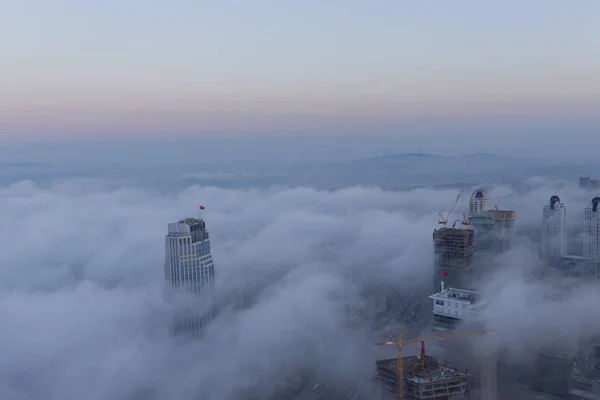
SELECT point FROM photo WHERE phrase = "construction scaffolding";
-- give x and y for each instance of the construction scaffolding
(453, 248)
(434, 381)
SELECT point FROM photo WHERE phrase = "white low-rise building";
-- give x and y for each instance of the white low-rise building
(452, 306)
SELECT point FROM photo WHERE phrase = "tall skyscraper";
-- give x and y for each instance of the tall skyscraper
(453, 308)
(190, 275)
(494, 229)
(591, 235)
(554, 231)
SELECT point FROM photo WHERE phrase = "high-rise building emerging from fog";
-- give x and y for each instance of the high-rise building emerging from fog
(554, 230)
(591, 235)
(190, 275)
(479, 203)
(453, 258)
(493, 228)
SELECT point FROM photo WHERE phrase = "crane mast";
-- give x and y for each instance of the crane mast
(444, 220)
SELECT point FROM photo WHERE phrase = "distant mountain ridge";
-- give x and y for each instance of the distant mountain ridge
(419, 169)
(415, 155)
(19, 164)
(430, 156)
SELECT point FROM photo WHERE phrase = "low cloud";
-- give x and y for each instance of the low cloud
(82, 271)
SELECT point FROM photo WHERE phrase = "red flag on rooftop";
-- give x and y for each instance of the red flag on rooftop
(201, 207)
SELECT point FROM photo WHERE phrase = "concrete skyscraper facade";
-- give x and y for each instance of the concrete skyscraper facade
(189, 274)
(494, 229)
(554, 230)
(453, 258)
(591, 235)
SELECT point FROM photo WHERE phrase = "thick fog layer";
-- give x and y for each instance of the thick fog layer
(82, 276)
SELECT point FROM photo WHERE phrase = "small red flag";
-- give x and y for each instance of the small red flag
(201, 207)
(444, 273)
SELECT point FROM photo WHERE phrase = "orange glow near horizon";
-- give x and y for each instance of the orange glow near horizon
(195, 68)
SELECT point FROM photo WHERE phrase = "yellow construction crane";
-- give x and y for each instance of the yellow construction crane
(444, 221)
(400, 344)
(464, 222)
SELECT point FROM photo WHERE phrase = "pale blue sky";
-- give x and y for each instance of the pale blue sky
(90, 69)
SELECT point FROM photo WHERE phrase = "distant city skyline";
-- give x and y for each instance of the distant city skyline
(150, 70)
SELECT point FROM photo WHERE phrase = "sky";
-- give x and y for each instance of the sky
(483, 73)
(82, 281)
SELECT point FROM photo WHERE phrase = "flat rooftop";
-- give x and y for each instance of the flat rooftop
(190, 221)
(460, 295)
(461, 232)
(493, 216)
(502, 215)
(433, 373)
(481, 219)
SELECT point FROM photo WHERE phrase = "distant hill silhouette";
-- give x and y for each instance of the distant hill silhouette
(417, 155)
(19, 164)
(420, 169)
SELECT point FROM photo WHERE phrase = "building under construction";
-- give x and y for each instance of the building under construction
(423, 378)
(453, 255)
(453, 247)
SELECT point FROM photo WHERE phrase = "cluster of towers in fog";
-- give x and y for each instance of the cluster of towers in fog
(554, 233)
(485, 232)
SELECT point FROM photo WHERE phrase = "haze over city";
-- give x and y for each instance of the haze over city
(463, 78)
(318, 145)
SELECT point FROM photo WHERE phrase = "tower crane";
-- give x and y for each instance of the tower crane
(444, 221)
(401, 342)
(464, 221)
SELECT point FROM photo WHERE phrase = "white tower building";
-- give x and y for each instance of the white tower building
(591, 235)
(478, 204)
(190, 274)
(554, 231)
